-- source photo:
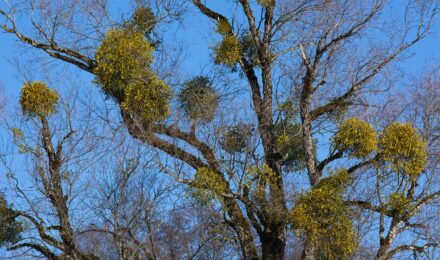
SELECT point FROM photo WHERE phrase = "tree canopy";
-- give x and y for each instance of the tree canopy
(288, 143)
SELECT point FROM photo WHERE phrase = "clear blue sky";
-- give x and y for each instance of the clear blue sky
(424, 52)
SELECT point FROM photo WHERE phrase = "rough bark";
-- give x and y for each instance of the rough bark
(56, 195)
(386, 242)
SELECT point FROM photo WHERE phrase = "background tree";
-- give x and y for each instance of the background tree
(49, 150)
(405, 205)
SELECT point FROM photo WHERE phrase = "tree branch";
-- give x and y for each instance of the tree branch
(419, 249)
(42, 249)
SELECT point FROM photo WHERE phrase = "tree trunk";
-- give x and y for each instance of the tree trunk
(308, 252)
(242, 228)
(385, 243)
(273, 245)
(54, 191)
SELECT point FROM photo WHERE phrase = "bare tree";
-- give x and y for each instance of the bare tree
(417, 217)
(52, 151)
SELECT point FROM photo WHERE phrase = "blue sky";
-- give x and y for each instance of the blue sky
(424, 52)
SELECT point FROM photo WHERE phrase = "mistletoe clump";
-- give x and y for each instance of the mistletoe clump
(356, 137)
(123, 71)
(400, 206)
(249, 49)
(143, 20)
(289, 144)
(207, 184)
(236, 138)
(322, 218)
(198, 99)
(37, 99)
(229, 51)
(263, 173)
(10, 228)
(148, 100)
(289, 138)
(403, 147)
(123, 59)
